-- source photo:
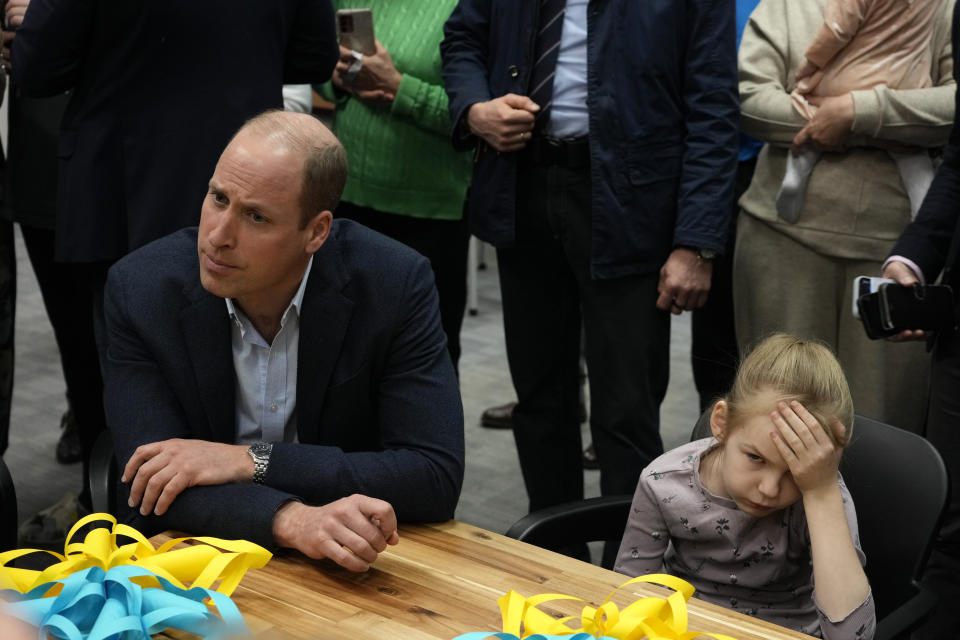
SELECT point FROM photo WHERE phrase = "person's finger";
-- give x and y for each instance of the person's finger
(343, 556)
(142, 454)
(802, 137)
(171, 490)
(839, 431)
(664, 300)
(811, 431)
(393, 538)
(153, 488)
(787, 434)
(785, 451)
(379, 513)
(521, 102)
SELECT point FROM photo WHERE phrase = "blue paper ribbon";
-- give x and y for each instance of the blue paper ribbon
(94, 604)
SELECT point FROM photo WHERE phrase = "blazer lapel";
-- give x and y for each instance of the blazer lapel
(206, 330)
(324, 319)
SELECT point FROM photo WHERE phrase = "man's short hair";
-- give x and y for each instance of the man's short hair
(324, 158)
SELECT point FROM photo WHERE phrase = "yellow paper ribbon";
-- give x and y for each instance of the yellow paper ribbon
(653, 618)
(200, 565)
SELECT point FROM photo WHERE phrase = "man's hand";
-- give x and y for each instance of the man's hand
(831, 124)
(161, 470)
(377, 80)
(684, 282)
(505, 123)
(350, 531)
(904, 275)
(15, 11)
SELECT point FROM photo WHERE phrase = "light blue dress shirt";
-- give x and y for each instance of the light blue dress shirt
(266, 374)
(568, 114)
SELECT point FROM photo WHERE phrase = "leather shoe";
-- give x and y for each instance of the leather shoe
(498, 417)
(68, 446)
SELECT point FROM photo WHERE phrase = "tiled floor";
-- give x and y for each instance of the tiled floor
(493, 495)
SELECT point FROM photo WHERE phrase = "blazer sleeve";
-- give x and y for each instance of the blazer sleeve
(312, 50)
(926, 241)
(712, 128)
(465, 52)
(419, 468)
(51, 45)
(141, 407)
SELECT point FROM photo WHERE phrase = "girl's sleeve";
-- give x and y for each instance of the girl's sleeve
(646, 536)
(861, 623)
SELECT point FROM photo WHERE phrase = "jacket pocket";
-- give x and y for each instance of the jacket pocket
(66, 143)
(654, 163)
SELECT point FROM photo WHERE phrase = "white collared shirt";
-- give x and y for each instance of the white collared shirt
(266, 374)
(568, 111)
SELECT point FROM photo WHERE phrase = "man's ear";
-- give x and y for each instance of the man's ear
(718, 420)
(318, 229)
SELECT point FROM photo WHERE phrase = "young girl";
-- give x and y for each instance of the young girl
(757, 517)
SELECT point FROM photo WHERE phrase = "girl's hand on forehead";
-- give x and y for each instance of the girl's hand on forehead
(808, 450)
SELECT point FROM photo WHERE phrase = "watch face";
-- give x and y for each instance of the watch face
(706, 254)
(261, 449)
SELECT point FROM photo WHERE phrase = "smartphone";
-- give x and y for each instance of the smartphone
(865, 285)
(929, 308)
(355, 30)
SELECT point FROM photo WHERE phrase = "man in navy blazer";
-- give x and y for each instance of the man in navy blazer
(605, 136)
(266, 366)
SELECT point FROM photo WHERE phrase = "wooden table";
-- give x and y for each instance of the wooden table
(440, 581)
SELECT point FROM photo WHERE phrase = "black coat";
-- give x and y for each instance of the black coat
(158, 89)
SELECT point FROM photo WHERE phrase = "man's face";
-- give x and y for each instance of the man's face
(250, 244)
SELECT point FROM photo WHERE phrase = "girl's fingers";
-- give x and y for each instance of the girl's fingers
(786, 433)
(800, 421)
(788, 455)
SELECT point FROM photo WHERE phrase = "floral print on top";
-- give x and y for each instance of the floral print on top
(757, 566)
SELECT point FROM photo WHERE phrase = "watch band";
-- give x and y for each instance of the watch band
(260, 452)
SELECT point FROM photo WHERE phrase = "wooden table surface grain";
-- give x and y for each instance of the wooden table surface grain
(440, 581)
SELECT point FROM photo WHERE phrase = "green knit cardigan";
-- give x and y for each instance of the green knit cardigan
(401, 159)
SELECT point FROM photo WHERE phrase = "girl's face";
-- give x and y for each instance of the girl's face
(749, 469)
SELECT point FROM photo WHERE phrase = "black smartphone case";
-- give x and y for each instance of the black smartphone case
(929, 308)
(870, 316)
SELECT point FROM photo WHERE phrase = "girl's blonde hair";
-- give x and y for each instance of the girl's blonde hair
(793, 369)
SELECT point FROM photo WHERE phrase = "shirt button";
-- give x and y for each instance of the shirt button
(273, 407)
(513, 71)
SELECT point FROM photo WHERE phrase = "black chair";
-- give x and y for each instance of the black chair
(8, 510)
(590, 520)
(104, 475)
(899, 485)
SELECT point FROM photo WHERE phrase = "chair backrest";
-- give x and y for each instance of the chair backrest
(8, 510)
(899, 486)
(104, 475)
(590, 520)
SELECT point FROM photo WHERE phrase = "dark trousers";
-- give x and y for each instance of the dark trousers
(444, 243)
(714, 355)
(8, 308)
(546, 289)
(942, 575)
(68, 292)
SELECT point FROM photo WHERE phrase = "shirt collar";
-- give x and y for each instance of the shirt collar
(236, 313)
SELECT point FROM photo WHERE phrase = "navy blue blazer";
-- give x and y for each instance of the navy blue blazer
(158, 90)
(378, 405)
(663, 104)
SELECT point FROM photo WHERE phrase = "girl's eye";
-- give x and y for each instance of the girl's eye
(754, 457)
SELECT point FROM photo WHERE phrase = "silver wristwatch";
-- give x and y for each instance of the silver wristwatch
(260, 452)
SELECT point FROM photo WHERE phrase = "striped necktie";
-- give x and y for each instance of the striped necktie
(545, 56)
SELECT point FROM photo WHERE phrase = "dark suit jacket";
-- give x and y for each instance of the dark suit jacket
(927, 240)
(663, 104)
(158, 89)
(378, 406)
